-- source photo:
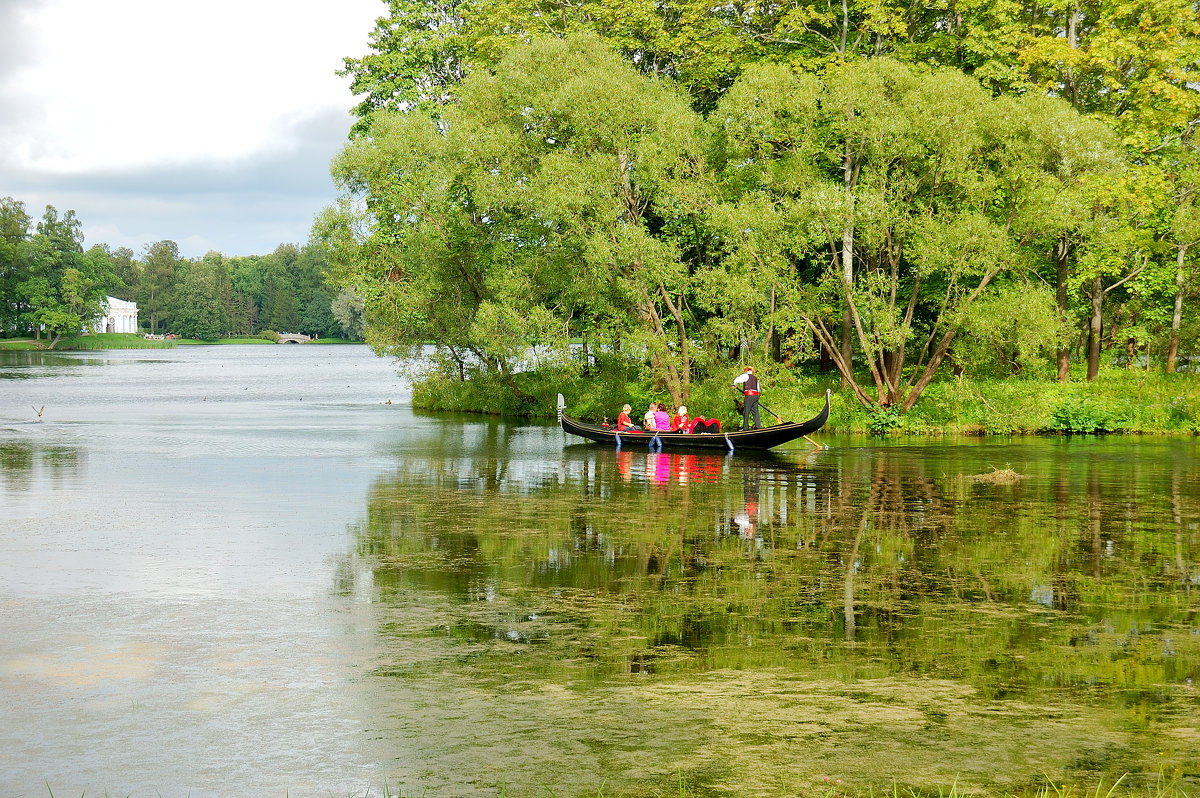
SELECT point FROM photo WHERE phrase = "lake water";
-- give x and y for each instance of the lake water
(255, 570)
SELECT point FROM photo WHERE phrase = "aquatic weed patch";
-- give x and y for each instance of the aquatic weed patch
(1002, 476)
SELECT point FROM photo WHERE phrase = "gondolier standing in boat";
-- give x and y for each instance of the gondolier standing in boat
(748, 383)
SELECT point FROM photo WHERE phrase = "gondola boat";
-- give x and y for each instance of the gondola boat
(756, 439)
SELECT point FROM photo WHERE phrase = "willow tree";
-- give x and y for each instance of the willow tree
(1055, 165)
(428, 260)
(537, 199)
(929, 207)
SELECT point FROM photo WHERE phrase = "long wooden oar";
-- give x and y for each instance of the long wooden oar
(779, 419)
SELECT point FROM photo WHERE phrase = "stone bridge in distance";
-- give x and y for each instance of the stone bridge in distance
(294, 338)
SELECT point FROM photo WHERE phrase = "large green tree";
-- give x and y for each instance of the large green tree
(196, 307)
(15, 255)
(48, 283)
(942, 177)
(61, 289)
(543, 196)
(160, 266)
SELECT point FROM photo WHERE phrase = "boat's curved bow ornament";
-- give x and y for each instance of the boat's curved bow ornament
(757, 439)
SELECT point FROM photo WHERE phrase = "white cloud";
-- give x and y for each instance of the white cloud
(139, 81)
(182, 115)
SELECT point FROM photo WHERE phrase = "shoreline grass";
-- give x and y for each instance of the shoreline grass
(84, 343)
(1119, 401)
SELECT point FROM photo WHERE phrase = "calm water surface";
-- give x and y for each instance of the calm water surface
(241, 570)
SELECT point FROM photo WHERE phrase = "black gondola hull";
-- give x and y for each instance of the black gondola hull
(757, 439)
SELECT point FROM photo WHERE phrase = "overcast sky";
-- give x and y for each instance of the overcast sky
(211, 124)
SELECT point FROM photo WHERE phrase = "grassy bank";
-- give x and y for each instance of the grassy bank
(1119, 401)
(86, 343)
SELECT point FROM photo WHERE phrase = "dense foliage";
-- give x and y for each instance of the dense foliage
(886, 188)
(50, 286)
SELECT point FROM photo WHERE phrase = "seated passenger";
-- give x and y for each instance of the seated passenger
(679, 423)
(662, 422)
(623, 420)
(648, 419)
(702, 425)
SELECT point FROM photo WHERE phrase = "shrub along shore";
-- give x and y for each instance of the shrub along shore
(1118, 401)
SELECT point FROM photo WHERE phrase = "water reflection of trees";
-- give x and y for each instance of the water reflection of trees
(22, 460)
(860, 564)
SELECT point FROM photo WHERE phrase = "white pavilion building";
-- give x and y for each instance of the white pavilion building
(119, 316)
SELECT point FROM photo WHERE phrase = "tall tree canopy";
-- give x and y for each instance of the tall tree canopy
(536, 200)
(678, 182)
(48, 284)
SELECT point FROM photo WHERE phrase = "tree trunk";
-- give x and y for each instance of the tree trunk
(847, 337)
(1177, 315)
(685, 359)
(845, 27)
(1061, 251)
(943, 347)
(673, 374)
(848, 252)
(1094, 330)
(1070, 85)
(767, 344)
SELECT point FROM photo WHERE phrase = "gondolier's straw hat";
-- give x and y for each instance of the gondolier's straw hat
(749, 368)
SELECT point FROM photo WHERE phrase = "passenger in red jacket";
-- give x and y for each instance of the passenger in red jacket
(679, 422)
(623, 420)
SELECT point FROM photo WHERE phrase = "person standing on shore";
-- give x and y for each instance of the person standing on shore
(748, 383)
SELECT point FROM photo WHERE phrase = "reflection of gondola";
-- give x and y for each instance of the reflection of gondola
(730, 441)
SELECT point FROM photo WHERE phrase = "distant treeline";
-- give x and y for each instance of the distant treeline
(51, 286)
